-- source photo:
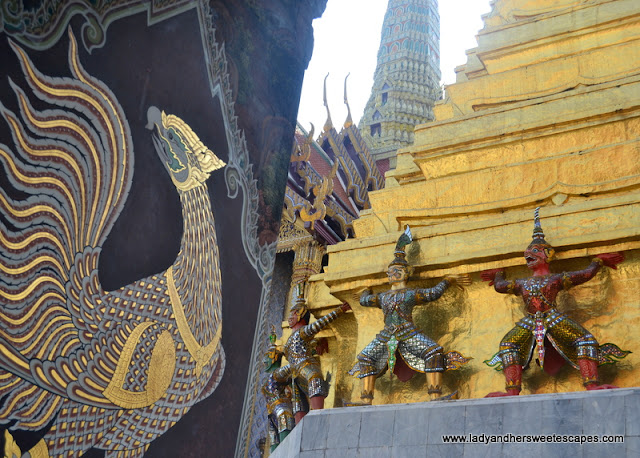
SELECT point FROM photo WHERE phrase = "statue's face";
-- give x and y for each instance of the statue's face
(536, 256)
(293, 319)
(397, 274)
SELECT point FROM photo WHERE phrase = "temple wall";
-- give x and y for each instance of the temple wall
(89, 200)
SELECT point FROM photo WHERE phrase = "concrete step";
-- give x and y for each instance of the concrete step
(562, 424)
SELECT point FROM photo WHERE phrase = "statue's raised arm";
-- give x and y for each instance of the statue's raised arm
(312, 329)
(496, 278)
(368, 299)
(578, 277)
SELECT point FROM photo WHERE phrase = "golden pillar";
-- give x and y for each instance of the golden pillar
(307, 261)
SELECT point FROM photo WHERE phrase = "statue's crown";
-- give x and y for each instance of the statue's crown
(538, 233)
(300, 304)
(399, 254)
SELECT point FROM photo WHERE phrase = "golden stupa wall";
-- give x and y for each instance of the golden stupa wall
(546, 112)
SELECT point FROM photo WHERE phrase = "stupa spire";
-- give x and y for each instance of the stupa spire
(407, 77)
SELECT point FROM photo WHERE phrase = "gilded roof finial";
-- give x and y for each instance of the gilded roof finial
(348, 122)
(302, 152)
(328, 125)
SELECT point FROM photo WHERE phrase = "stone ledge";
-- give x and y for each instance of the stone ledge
(415, 430)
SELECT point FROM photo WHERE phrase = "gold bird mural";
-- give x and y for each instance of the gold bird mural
(110, 370)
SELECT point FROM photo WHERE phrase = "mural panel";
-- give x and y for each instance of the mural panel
(140, 176)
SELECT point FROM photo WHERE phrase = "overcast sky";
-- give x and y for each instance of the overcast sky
(347, 38)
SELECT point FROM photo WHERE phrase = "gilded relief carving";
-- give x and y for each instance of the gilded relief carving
(110, 370)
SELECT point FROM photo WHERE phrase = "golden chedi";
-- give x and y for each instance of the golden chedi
(544, 113)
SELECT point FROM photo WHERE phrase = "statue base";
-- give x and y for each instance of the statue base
(566, 424)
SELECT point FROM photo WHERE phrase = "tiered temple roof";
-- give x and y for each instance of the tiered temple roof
(329, 182)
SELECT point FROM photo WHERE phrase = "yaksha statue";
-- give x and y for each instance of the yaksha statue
(309, 387)
(556, 337)
(400, 347)
(277, 394)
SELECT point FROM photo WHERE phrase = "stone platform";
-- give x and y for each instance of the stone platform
(416, 430)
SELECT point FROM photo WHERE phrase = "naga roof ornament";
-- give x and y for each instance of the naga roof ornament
(302, 152)
(348, 122)
(328, 124)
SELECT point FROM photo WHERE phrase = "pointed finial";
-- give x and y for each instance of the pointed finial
(328, 125)
(311, 132)
(538, 236)
(348, 122)
(537, 227)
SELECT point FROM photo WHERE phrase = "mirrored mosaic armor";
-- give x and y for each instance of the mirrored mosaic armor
(543, 320)
(545, 328)
(400, 337)
(400, 334)
(277, 394)
(279, 407)
(308, 381)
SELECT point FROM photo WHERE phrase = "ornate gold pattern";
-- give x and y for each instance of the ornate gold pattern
(11, 449)
(307, 260)
(40, 25)
(317, 210)
(302, 153)
(161, 369)
(201, 354)
(40, 450)
(290, 234)
(309, 162)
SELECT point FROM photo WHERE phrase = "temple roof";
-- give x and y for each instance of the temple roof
(329, 181)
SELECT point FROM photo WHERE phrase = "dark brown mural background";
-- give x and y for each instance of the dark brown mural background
(167, 62)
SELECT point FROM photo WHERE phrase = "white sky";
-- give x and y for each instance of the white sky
(347, 38)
